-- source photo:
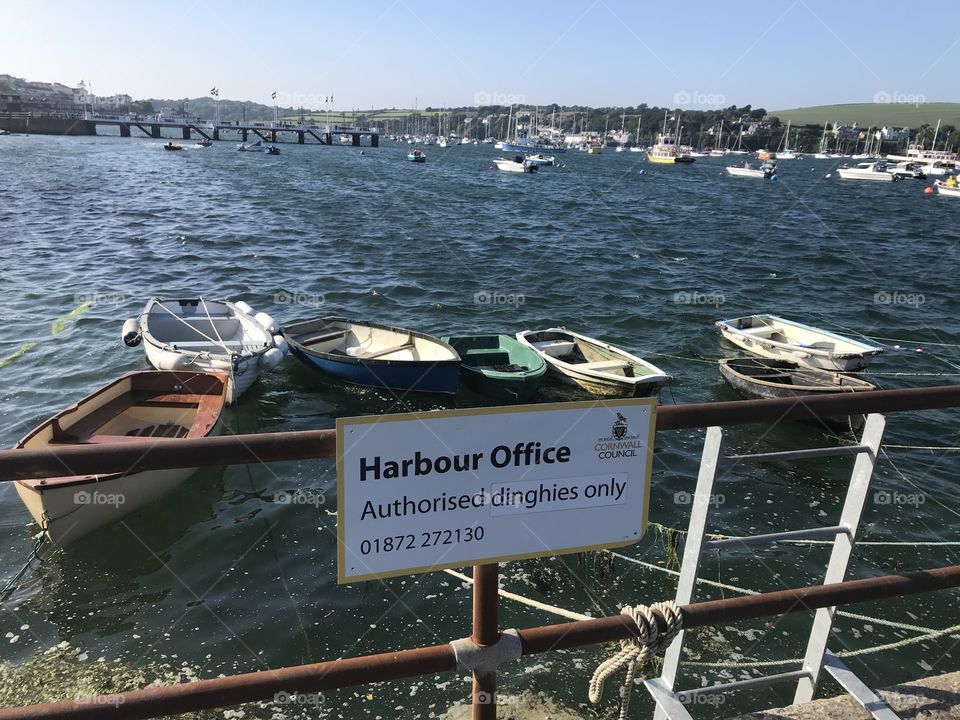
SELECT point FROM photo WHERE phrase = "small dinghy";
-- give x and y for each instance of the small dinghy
(595, 366)
(256, 146)
(154, 405)
(945, 188)
(208, 335)
(498, 366)
(368, 353)
(780, 339)
(761, 378)
(417, 156)
(173, 146)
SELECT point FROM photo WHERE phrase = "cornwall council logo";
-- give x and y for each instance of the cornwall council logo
(620, 427)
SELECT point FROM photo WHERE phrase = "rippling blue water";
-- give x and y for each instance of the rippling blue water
(224, 579)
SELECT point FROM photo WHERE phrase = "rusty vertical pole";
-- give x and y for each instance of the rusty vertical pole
(486, 631)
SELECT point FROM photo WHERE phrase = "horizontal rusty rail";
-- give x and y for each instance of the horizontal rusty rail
(347, 672)
(143, 455)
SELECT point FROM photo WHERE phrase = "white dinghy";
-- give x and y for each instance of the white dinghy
(595, 366)
(780, 339)
(208, 335)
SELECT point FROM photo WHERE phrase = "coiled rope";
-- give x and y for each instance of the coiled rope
(647, 643)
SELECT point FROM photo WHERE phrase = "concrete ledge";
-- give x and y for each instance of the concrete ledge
(935, 698)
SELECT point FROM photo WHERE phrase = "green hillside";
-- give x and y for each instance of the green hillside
(874, 114)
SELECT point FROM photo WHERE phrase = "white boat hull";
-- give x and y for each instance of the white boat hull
(948, 191)
(778, 339)
(745, 172)
(72, 511)
(871, 175)
(239, 354)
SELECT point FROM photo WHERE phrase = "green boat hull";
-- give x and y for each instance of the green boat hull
(498, 367)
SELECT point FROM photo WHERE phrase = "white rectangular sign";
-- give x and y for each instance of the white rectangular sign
(425, 491)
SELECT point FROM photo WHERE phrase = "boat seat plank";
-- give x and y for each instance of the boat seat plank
(308, 339)
(386, 351)
(93, 420)
(760, 331)
(604, 365)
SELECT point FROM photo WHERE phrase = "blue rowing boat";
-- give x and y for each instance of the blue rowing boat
(368, 353)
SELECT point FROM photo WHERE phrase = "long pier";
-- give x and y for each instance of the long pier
(301, 133)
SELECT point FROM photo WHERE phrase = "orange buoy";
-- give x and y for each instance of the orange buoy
(928, 191)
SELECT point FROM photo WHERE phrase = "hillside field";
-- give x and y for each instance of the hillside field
(891, 114)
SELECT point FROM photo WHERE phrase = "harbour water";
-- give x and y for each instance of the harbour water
(236, 570)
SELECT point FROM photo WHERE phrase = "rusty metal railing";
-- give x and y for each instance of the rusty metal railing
(238, 449)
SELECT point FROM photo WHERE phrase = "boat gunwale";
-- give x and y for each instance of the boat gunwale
(501, 375)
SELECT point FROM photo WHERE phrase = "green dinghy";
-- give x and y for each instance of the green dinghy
(498, 366)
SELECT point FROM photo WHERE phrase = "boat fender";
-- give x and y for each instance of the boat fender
(773, 178)
(243, 307)
(271, 358)
(281, 344)
(266, 322)
(131, 333)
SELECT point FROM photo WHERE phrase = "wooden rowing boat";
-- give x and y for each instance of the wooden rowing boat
(593, 365)
(162, 406)
(498, 366)
(369, 353)
(761, 378)
(781, 339)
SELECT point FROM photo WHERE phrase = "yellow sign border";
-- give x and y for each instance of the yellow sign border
(344, 422)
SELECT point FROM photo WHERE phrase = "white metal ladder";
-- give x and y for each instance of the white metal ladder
(672, 704)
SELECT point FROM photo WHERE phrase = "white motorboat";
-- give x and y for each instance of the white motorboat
(541, 159)
(781, 339)
(593, 365)
(767, 170)
(208, 335)
(874, 171)
(161, 407)
(517, 164)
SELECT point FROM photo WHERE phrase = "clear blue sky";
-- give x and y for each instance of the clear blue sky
(384, 53)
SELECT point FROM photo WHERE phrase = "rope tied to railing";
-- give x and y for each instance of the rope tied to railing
(647, 643)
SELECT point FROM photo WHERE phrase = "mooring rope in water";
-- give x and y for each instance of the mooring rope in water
(634, 651)
(11, 584)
